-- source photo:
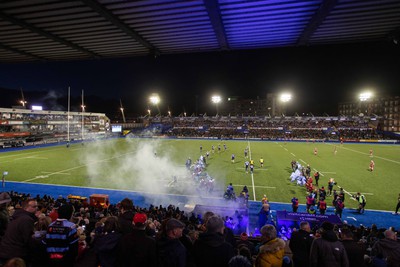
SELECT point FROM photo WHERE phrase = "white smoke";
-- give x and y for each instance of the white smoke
(143, 165)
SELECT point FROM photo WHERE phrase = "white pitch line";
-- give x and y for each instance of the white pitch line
(58, 173)
(285, 148)
(319, 172)
(363, 193)
(359, 152)
(271, 187)
(303, 161)
(293, 154)
(28, 153)
(252, 175)
(258, 169)
(77, 167)
(330, 172)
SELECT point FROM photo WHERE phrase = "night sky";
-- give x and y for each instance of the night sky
(317, 76)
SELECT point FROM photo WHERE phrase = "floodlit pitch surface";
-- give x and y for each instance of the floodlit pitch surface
(149, 165)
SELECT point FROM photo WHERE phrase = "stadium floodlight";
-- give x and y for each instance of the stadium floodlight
(23, 103)
(155, 100)
(216, 99)
(285, 97)
(364, 96)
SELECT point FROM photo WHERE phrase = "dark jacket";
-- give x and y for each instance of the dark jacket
(355, 252)
(171, 252)
(212, 250)
(17, 240)
(300, 245)
(389, 249)
(125, 222)
(106, 248)
(4, 220)
(137, 249)
(328, 251)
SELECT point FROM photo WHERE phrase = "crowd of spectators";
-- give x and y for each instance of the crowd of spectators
(44, 231)
(322, 128)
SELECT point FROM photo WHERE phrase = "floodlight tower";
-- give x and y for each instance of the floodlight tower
(216, 99)
(155, 100)
(23, 101)
(83, 110)
(122, 111)
(285, 98)
(364, 97)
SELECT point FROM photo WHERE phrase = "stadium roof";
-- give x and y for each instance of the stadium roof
(48, 30)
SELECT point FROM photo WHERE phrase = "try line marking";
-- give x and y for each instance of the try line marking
(271, 187)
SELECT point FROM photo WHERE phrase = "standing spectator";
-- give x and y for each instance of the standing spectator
(339, 206)
(361, 202)
(295, 204)
(328, 250)
(322, 205)
(388, 248)
(272, 250)
(300, 244)
(62, 238)
(106, 243)
(398, 205)
(136, 248)
(171, 252)
(355, 250)
(17, 240)
(211, 249)
(4, 216)
(126, 216)
(316, 177)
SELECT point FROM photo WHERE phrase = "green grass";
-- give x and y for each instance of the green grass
(132, 164)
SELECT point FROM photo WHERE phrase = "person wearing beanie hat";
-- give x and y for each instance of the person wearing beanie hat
(328, 250)
(171, 251)
(137, 248)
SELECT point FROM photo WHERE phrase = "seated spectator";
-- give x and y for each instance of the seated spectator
(388, 248)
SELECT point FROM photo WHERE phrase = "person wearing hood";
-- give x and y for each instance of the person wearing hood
(272, 250)
(106, 244)
(211, 249)
(17, 240)
(328, 250)
(388, 248)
